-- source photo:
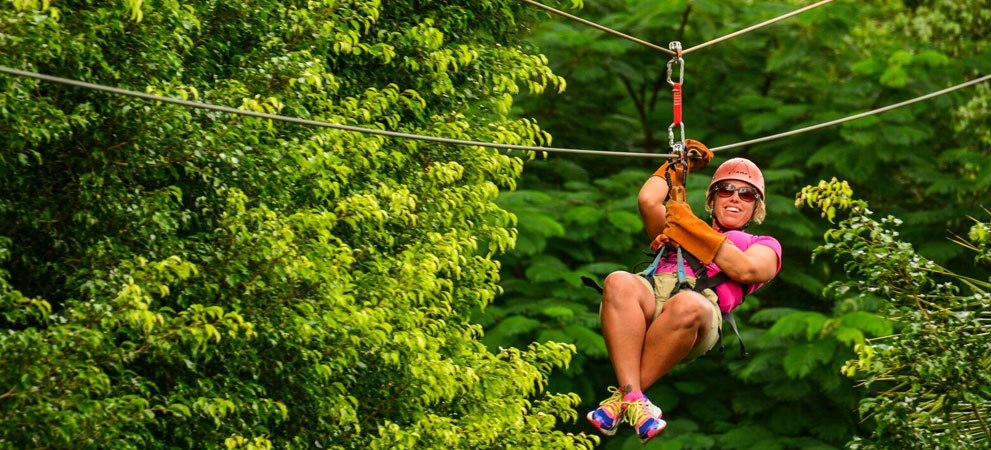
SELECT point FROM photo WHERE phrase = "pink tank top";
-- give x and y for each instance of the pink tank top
(730, 293)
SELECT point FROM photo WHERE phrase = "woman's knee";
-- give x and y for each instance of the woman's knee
(618, 280)
(620, 287)
(691, 309)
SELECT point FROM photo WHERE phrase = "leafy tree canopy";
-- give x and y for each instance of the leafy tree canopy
(179, 278)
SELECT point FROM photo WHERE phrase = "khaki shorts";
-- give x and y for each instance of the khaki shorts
(664, 283)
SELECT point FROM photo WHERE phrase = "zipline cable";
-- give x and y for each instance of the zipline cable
(314, 123)
(855, 116)
(395, 134)
(665, 50)
(754, 27)
(599, 27)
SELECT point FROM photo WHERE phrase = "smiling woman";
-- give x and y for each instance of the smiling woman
(653, 321)
(745, 178)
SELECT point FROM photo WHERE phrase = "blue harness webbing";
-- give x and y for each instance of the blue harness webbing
(653, 266)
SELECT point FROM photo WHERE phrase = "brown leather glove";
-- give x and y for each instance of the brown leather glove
(662, 240)
(694, 235)
(698, 157)
(677, 173)
(698, 154)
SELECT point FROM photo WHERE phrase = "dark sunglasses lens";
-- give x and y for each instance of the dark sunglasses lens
(747, 194)
(725, 190)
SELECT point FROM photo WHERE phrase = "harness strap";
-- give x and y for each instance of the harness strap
(592, 284)
(696, 265)
(650, 280)
(728, 317)
(711, 282)
(682, 281)
(653, 266)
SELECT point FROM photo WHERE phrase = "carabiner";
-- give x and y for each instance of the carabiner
(680, 142)
(676, 47)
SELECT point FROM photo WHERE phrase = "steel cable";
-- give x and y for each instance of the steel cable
(599, 27)
(395, 134)
(855, 116)
(755, 27)
(668, 51)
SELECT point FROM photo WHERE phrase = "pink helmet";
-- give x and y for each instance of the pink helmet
(740, 169)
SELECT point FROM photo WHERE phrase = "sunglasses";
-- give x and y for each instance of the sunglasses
(747, 193)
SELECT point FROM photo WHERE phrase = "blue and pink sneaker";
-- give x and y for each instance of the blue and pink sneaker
(645, 418)
(607, 417)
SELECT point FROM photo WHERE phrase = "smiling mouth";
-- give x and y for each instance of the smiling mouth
(732, 209)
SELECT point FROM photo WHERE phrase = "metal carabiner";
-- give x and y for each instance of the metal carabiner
(675, 46)
(681, 141)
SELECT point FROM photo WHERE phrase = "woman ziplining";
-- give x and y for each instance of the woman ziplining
(654, 320)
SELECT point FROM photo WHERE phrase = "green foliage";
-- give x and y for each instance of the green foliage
(929, 380)
(564, 221)
(179, 278)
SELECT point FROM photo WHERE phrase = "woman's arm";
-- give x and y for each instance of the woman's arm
(759, 264)
(651, 201)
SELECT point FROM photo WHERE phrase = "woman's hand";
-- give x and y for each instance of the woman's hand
(694, 235)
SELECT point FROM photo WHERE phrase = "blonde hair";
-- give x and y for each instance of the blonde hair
(760, 211)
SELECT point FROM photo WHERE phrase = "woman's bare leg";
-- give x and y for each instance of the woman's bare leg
(684, 321)
(627, 310)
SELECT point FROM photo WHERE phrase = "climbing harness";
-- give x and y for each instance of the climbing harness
(702, 282)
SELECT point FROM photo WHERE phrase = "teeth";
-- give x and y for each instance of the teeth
(733, 209)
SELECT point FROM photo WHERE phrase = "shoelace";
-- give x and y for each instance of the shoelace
(636, 412)
(614, 404)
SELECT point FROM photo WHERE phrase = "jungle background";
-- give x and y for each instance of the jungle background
(179, 278)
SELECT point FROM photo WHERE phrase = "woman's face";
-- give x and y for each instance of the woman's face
(733, 212)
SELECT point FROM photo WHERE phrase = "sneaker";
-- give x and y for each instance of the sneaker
(653, 410)
(645, 418)
(607, 417)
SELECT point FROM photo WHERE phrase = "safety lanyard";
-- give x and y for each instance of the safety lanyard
(678, 146)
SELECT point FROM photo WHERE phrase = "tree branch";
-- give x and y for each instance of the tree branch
(984, 425)
(684, 21)
(9, 393)
(641, 113)
(766, 87)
